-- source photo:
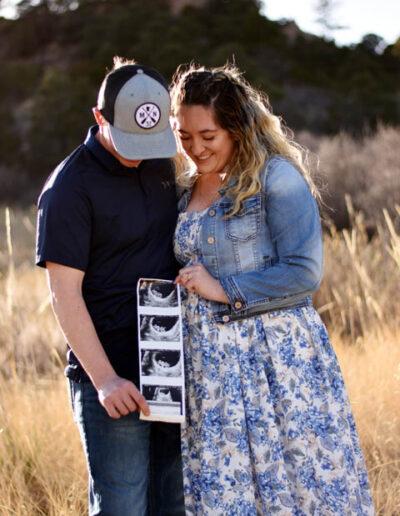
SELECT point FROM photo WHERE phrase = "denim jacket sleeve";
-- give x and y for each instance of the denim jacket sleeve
(294, 225)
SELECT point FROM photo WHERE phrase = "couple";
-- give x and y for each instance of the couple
(269, 427)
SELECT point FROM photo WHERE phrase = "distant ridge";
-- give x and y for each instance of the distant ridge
(52, 61)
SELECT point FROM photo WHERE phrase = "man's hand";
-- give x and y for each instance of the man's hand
(120, 396)
(117, 395)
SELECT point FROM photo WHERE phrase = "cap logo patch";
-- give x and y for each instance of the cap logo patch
(147, 115)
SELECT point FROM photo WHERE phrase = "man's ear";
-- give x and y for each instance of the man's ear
(101, 121)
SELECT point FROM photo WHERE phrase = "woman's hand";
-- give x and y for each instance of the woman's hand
(196, 278)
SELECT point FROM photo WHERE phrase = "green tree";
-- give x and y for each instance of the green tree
(59, 117)
(325, 10)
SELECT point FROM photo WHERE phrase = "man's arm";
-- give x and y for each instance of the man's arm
(117, 395)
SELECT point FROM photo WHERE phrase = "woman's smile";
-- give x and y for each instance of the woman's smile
(205, 142)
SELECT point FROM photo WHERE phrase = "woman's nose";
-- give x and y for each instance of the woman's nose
(196, 147)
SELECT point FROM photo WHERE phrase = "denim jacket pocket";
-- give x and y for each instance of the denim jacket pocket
(244, 225)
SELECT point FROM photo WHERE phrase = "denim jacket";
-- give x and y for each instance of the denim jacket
(269, 255)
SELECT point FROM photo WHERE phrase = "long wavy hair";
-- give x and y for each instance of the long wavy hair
(246, 114)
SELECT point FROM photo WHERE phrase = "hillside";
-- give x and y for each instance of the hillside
(53, 58)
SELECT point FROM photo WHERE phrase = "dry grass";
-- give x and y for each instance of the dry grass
(29, 340)
(371, 371)
(42, 470)
(360, 291)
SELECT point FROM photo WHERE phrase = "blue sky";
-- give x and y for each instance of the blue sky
(381, 17)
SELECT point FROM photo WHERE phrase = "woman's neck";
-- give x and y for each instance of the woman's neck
(205, 191)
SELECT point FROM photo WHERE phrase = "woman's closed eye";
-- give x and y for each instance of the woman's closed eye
(186, 137)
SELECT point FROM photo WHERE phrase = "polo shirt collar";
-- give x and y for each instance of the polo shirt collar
(105, 157)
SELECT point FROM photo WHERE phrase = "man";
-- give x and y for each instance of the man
(106, 217)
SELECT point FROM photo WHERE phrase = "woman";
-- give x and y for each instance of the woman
(269, 426)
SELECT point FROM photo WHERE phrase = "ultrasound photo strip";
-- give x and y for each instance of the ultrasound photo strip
(160, 349)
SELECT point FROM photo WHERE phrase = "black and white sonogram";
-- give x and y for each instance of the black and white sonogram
(159, 328)
(166, 400)
(161, 294)
(158, 362)
(162, 380)
(162, 393)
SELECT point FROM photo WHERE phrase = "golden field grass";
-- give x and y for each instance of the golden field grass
(42, 469)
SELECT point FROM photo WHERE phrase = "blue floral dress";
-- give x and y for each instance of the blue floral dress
(269, 427)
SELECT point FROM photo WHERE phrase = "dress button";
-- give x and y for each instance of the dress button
(225, 318)
(210, 240)
(211, 213)
(238, 305)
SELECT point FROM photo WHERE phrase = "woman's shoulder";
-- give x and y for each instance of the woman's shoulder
(281, 165)
(281, 173)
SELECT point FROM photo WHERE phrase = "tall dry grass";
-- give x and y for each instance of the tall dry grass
(371, 370)
(360, 291)
(29, 340)
(42, 470)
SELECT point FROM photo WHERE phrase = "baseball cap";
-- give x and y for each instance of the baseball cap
(135, 101)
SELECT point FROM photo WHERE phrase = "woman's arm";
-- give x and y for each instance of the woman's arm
(294, 224)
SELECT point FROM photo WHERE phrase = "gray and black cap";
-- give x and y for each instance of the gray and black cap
(135, 101)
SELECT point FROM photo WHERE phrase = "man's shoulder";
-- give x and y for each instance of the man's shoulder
(71, 171)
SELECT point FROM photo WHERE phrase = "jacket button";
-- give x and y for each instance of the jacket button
(212, 213)
(210, 240)
(225, 318)
(238, 305)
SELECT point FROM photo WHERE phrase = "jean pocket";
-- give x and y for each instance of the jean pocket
(244, 225)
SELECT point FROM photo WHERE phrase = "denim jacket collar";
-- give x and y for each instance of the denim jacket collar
(186, 193)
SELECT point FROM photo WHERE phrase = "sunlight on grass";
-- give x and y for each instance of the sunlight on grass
(42, 468)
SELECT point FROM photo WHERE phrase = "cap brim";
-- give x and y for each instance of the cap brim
(144, 146)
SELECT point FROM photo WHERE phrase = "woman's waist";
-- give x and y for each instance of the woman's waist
(225, 314)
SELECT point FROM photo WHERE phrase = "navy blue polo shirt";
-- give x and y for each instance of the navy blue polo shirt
(116, 224)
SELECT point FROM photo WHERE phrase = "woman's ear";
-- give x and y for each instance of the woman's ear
(174, 122)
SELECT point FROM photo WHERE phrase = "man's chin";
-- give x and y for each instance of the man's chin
(129, 162)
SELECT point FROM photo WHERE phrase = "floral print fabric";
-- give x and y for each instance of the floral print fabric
(269, 427)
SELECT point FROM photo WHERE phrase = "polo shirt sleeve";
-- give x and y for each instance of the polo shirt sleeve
(63, 226)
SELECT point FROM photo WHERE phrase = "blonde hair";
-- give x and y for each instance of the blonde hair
(246, 114)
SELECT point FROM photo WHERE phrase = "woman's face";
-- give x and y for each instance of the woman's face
(209, 146)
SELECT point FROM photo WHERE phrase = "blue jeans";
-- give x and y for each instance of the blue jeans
(134, 466)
